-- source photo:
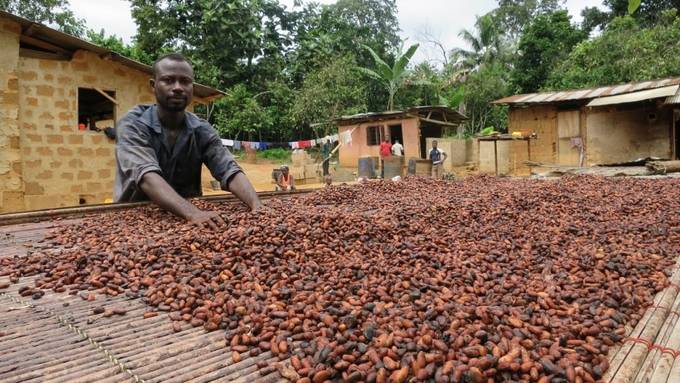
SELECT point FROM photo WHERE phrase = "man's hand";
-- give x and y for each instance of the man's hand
(209, 219)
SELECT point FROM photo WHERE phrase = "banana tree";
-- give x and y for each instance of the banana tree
(392, 77)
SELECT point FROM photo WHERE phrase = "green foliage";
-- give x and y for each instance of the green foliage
(487, 84)
(239, 115)
(392, 77)
(51, 12)
(624, 52)
(647, 13)
(513, 16)
(279, 155)
(117, 45)
(546, 42)
(633, 6)
(486, 42)
(328, 93)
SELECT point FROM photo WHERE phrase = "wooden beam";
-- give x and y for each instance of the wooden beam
(43, 44)
(438, 122)
(113, 100)
(32, 53)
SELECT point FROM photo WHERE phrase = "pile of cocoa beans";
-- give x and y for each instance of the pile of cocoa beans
(479, 280)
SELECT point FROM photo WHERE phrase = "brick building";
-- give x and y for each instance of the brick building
(55, 90)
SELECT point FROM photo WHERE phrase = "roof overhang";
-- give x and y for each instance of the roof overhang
(57, 45)
(644, 95)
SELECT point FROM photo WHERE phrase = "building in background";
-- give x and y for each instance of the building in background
(57, 94)
(411, 127)
(598, 126)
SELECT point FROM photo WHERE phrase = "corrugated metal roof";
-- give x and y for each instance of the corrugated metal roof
(675, 99)
(453, 115)
(586, 94)
(642, 95)
(72, 43)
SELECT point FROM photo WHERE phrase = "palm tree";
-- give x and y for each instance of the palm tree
(392, 77)
(486, 43)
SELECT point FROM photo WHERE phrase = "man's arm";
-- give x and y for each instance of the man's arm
(163, 195)
(224, 168)
(243, 190)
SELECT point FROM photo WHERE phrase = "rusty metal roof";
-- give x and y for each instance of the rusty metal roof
(71, 43)
(586, 94)
(673, 99)
(452, 116)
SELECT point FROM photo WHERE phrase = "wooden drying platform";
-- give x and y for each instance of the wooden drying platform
(58, 338)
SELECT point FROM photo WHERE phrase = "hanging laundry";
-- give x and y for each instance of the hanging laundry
(346, 137)
(255, 145)
(303, 144)
(312, 143)
(265, 145)
(227, 142)
(246, 144)
(237, 145)
(334, 138)
(293, 145)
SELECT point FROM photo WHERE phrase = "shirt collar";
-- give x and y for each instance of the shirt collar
(150, 119)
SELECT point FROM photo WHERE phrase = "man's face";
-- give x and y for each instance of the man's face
(173, 84)
(434, 144)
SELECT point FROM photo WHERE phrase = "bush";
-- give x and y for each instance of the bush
(277, 154)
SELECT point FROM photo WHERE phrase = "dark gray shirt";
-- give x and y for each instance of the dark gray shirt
(142, 147)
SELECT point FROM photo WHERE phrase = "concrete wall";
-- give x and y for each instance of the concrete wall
(541, 120)
(511, 157)
(11, 167)
(616, 135)
(456, 149)
(350, 154)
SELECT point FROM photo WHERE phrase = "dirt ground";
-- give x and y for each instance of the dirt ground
(260, 175)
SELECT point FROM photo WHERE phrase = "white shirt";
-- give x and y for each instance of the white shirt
(397, 149)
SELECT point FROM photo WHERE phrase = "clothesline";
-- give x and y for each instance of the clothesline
(344, 137)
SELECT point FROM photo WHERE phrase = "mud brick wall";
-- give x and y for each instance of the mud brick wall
(63, 165)
(11, 167)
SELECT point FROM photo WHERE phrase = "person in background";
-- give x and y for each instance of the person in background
(437, 156)
(385, 151)
(285, 182)
(161, 148)
(326, 154)
(397, 149)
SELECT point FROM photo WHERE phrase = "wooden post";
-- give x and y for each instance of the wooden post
(495, 155)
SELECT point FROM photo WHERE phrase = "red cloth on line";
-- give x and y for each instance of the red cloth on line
(385, 149)
(304, 144)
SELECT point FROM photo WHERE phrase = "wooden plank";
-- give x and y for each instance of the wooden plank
(113, 100)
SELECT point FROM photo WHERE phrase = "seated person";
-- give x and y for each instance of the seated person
(160, 150)
(285, 182)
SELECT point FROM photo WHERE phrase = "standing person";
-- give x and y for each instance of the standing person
(385, 151)
(397, 149)
(437, 156)
(285, 182)
(326, 154)
(160, 150)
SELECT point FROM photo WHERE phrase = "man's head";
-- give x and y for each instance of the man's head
(173, 82)
(396, 141)
(284, 169)
(434, 144)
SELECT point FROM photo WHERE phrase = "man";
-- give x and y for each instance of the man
(437, 156)
(326, 157)
(161, 148)
(285, 182)
(385, 151)
(397, 149)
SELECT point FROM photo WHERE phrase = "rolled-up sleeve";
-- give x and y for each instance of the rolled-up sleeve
(135, 157)
(217, 158)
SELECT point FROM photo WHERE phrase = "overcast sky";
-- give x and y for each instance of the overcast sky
(443, 19)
